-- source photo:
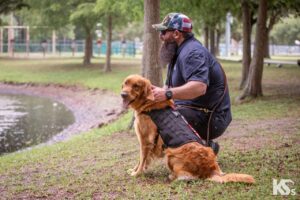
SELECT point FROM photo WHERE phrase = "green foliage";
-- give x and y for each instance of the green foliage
(85, 16)
(284, 7)
(121, 11)
(203, 13)
(7, 6)
(51, 13)
(114, 7)
(56, 14)
(46, 16)
(132, 30)
(4, 20)
(207, 8)
(286, 31)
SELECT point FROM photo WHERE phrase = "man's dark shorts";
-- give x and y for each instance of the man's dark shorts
(199, 119)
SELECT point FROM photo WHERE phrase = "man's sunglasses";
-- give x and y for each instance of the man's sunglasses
(163, 32)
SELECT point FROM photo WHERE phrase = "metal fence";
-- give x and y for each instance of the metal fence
(273, 49)
(128, 48)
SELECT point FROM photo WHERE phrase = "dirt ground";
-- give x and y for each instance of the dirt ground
(245, 135)
(91, 108)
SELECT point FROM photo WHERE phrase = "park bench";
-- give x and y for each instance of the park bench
(280, 63)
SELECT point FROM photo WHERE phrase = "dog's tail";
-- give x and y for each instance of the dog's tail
(232, 177)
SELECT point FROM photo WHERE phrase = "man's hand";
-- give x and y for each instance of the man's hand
(158, 93)
(190, 90)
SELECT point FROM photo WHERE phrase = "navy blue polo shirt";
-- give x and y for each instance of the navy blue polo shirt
(195, 63)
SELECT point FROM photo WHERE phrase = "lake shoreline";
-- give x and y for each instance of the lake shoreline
(91, 107)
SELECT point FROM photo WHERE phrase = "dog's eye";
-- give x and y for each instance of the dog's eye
(135, 86)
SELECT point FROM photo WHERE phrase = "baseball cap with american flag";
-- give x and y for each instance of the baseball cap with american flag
(175, 21)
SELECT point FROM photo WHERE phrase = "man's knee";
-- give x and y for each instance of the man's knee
(194, 117)
(197, 119)
(219, 123)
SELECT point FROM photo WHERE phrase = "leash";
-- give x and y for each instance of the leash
(196, 108)
(219, 102)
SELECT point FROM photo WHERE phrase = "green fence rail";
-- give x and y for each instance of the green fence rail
(129, 48)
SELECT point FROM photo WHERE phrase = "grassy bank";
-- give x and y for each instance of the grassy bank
(263, 140)
(68, 71)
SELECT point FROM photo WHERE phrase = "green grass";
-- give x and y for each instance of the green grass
(68, 71)
(93, 165)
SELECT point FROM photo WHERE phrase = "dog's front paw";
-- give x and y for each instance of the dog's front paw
(171, 177)
(135, 173)
(130, 171)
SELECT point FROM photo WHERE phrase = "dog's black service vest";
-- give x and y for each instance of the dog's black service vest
(173, 128)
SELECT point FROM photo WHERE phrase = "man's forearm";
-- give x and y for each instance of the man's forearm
(190, 90)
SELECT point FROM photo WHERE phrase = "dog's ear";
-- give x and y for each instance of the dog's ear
(148, 92)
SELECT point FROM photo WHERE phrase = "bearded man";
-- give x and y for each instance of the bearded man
(196, 81)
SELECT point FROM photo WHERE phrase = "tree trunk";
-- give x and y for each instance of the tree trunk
(88, 50)
(151, 66)
(266, 48)
(107, 66)
(274, 17)
(217, 49)
(212, 41)
(206, 43)
(247, 29)
(254, 82)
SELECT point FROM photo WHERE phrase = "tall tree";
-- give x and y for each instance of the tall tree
(109, 11)
(276, 10)
(246, 12)
(85, 16)
(107, 67)
(151, 65)
(116, 14)
(254, 82)
(57, 14)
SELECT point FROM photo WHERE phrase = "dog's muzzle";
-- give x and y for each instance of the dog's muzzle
(126, 100)
(124, 95)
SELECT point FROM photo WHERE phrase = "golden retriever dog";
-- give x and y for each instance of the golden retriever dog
(189, 161)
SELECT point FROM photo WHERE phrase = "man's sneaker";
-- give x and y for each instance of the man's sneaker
(215, 146)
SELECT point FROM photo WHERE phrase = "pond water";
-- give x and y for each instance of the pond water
(29, 120)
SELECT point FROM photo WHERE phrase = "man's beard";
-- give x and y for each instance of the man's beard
(167, 52)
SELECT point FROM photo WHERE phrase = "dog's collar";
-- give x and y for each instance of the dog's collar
(148, 108)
